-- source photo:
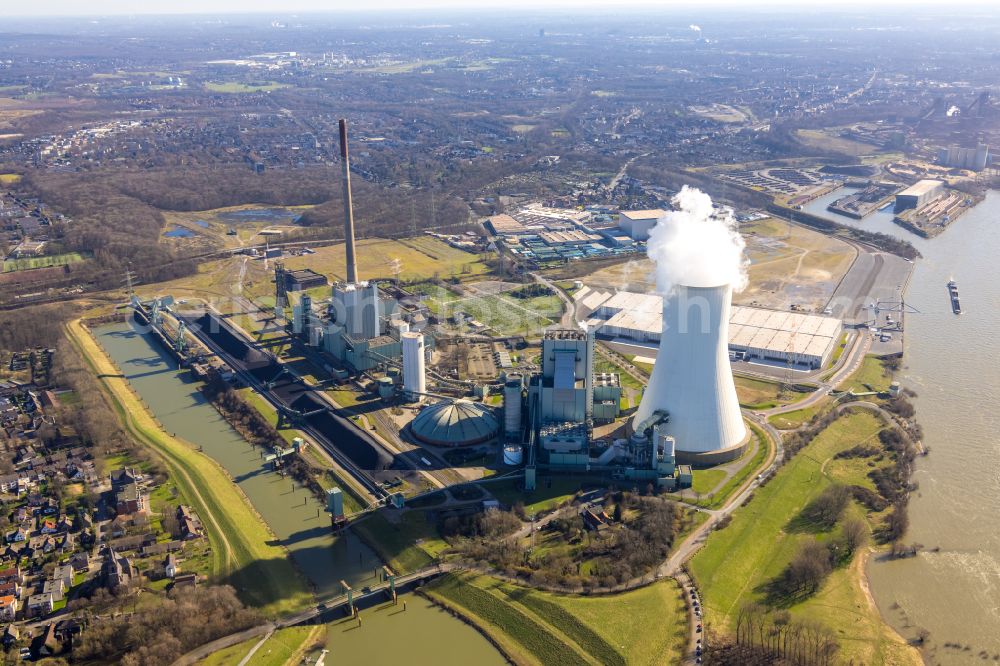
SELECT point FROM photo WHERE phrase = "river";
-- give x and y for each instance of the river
(422, 635)
(952, 588)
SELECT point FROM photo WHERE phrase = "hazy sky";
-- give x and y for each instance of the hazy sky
(99, 7)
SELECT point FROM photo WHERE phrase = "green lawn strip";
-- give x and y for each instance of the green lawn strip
(591, 642)
(721, 496)
(230, 655)
(798, 418)
(516, 631)
(549, 492)
(280, 647)
(756, 546)
(398, 544)
(647, 625)
(705, 480)
(29, 263)
(870, 376)
(260, 572)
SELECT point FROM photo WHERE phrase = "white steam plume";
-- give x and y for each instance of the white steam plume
(696, 246)
(696, 28)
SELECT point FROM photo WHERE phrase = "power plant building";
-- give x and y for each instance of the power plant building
(755, 334)
(564, 391)
(691, 396)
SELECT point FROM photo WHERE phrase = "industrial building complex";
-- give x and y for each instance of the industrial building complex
(802, 341)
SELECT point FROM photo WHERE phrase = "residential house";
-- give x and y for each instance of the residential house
(123, 477)
(10, 636)
(130, 499)
(16, 536)
(64, 572)
(8, 608)
(39, 604)
(185, 580)
(57, 588)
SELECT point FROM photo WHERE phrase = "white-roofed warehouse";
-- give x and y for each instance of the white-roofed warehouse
(804, 340)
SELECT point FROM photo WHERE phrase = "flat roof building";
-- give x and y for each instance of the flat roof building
(772, 336)
(919, 194)
(638, 223)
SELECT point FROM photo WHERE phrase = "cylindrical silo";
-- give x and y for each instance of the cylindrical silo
(414, 378)
(692, 380)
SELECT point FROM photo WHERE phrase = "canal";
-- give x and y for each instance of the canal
(421, 635)
(952, 588)
(295, 517)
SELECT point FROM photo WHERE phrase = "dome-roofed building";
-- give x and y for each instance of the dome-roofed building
(455, 423)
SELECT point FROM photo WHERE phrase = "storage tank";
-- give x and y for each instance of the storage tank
(692, 380)
(385, 388)
(414, 375)
(513, 455)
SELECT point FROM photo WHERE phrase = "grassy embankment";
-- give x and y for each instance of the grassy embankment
(242, 550)
(644, 626)
(738, 561)
(871, 376)
(285, 646)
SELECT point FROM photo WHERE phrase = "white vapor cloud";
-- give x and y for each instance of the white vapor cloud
(697, 246)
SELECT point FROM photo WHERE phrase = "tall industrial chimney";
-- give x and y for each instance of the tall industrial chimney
(345, 164)
(692, 380)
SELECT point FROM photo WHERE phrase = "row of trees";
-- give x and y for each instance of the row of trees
(773, 637)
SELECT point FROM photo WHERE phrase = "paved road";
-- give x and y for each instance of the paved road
(569, 315)
(848, 364)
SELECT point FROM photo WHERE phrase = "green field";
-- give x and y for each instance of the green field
(871, 376)
(548, 494)
(645, 626)
(412, 259)
(797, 418)
(409, 545)
(733, 483)
(29, 263)
(242, 553)
(236, 87)
(737, 561)
(760, 394)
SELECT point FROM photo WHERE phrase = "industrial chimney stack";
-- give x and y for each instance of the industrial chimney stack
(345, 164)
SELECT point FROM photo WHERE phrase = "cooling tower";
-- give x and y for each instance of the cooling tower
(692, 380)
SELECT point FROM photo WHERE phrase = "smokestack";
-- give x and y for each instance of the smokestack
(345, 163)
(692, 379)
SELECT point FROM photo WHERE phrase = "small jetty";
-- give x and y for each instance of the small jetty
(956, 305)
